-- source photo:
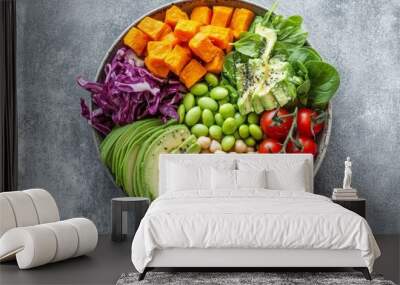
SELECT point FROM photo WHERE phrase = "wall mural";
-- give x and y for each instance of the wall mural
(190, 79)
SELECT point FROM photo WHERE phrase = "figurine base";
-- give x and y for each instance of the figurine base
(349, 190)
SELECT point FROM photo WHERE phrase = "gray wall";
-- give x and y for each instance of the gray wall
(60, 39)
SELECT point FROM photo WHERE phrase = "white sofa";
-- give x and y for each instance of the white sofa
(31, 231)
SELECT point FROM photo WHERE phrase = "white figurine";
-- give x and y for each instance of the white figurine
(347, 174)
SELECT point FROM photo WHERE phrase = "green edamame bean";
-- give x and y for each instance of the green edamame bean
(244, 131)
(255, 132)
(193, 116)
(211, 79)
(207, 117)
(189, 101)
(227, 110)
(181, 113)
(199, 89)
(208, 103)
(215, 132)
(239, 119)
(199, 130)
(252, 118)
(219, 119)
(250, 141)
(227, 143)
(219, 93)
(229, 126)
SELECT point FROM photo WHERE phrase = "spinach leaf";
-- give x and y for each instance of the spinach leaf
(303, 55)
(302, 91)
(296, 38)
(289, 31)
(324, 80)
(281, 50)
(228, 71)
(303, 88)
(257, 19)
(249, 44)
(268, 15)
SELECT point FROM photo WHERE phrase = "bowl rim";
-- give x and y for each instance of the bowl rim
(324, 136)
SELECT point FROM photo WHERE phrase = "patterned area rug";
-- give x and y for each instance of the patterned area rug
(244, 278)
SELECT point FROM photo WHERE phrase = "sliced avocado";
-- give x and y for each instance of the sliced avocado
(256, 71)
(257, 105)
(280, 95)
(269, 102)
(121, 142)
(242, 79)
(136, 176)
(169, 139)
(108, 144)
(183, 148)
(271, 38)
(131, 140)
(194, 148)
(266, 99)
(254, 77)
(122, 145)
(244, 103)
(130, 158)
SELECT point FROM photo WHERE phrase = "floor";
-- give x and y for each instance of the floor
(110, 260)
(103, 266)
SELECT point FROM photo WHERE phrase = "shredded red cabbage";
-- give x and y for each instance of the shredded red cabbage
(129, 93)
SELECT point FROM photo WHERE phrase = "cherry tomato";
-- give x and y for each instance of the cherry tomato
(308, 123)
(270, 146)
(276, 123)
(302, 145)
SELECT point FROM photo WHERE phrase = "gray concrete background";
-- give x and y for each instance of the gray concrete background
(60, 39)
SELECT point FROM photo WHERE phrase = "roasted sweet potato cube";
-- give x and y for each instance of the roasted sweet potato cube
(136, 40)
(221, 16)
(174, 14)
(202, 46)
(171, 38)
(158, 49)
(166, 31)
(156, 66)
(152, 27)
(178, 58)
(186, 29)
(215, 66)
(201, 14)
(192, 73)
(241, 21)
(220, 36)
